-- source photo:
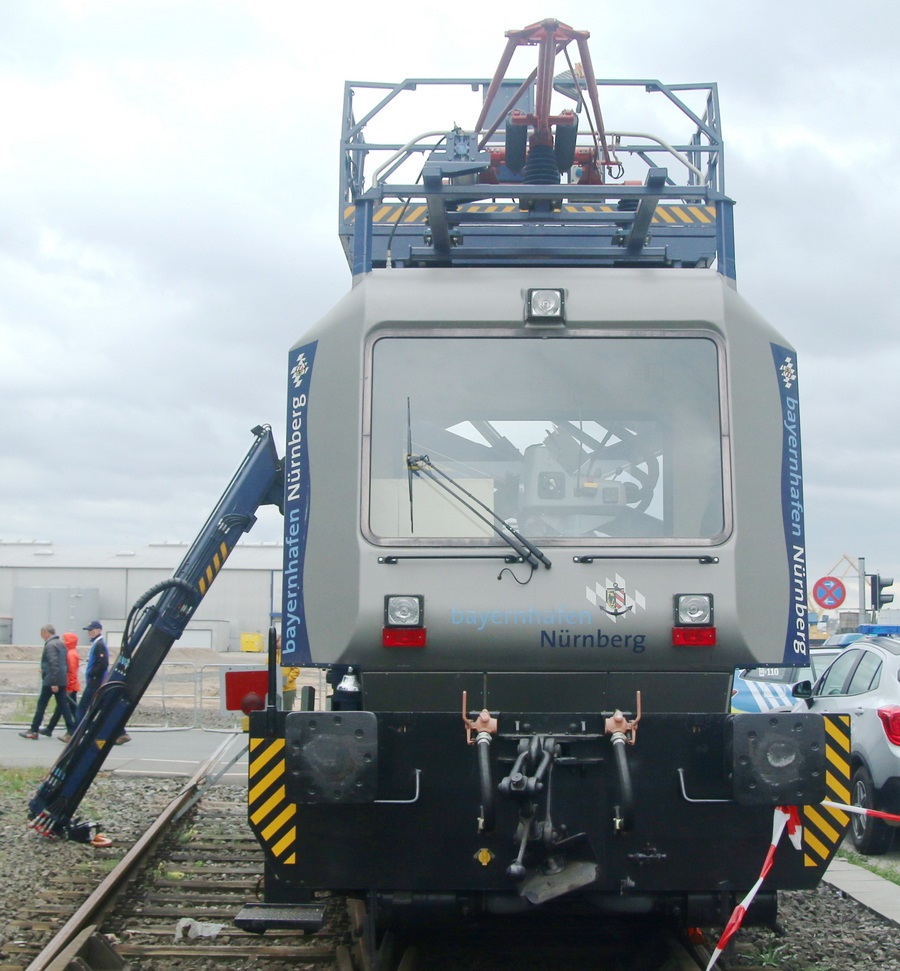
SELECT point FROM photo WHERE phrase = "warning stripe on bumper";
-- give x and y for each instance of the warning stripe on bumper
(272, 815)
(824, 826)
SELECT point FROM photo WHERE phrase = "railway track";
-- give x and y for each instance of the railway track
(170, 901)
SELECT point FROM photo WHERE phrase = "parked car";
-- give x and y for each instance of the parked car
(841, 640)
(864, 681)
(820, 658)
(766, 688)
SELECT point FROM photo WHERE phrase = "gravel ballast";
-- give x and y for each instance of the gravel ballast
(822, 930)
(123, 808)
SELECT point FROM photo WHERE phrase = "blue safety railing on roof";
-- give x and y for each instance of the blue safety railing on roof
(445, 197)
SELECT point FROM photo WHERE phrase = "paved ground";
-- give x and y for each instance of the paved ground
(168, 753)
(868, 888)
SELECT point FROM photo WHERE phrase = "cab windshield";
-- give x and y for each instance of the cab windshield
(587, 439)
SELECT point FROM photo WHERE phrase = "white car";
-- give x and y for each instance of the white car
(864, 681)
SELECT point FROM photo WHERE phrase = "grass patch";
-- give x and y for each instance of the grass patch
(97, 865)
(18, 710)
(20, 781)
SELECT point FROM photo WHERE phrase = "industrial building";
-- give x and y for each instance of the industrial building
(68, 586)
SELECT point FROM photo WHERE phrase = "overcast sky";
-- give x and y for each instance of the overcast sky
(168, 228)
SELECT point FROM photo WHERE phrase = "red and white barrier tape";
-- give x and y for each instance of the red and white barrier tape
(785, 817)
(860, 811)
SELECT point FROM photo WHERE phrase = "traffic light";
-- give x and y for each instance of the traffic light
(877, 584)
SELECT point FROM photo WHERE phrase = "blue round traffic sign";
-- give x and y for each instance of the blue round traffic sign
(829, 592)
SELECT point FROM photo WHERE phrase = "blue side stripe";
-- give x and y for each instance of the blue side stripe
(295, 648)
(796, 642)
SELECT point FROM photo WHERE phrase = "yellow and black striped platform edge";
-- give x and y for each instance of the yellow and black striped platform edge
(212, 568)
(272, 816)
(672, 215)
(824, 827)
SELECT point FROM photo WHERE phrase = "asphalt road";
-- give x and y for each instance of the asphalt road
(150, 752)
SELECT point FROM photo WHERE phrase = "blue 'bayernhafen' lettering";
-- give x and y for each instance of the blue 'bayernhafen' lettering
(291, 580)
(792, 439)
(482, 619)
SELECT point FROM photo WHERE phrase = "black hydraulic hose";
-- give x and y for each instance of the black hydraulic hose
(488, 815)
(625, 809)
(129, 642)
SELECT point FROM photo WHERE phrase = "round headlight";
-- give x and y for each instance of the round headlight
(403, 611)
(695, 608)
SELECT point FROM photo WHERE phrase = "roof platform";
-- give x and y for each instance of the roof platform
(647, 193)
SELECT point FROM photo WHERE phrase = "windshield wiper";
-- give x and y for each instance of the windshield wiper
(422, 465)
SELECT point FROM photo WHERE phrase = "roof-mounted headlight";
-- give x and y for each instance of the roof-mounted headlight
(545, 306)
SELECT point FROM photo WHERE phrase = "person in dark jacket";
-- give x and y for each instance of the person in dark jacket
(97, 666)
(54, 675)
(73, 661)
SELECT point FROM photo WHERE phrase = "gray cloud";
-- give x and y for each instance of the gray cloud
(168, 179)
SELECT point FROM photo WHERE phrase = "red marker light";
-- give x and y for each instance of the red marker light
(403, 636)
(694, 636)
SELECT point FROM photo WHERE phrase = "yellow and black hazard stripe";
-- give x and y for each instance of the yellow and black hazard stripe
(273, 816)
(823, 826)
(212, 568)
(667, 215)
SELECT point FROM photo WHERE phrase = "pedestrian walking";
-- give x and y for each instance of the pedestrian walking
(54, 676)
(72, 685)
(95, 673)
(97, 666)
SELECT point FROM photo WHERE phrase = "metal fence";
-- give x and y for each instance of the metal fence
(181, 696)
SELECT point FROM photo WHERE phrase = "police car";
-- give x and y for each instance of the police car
(766, 688)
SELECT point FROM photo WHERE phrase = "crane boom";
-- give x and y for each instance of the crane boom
(150, 632)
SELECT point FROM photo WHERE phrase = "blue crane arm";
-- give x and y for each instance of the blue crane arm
(150, 632)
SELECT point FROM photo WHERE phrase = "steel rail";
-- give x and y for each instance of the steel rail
(81, 927)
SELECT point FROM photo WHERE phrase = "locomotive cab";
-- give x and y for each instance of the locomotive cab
(532, 557)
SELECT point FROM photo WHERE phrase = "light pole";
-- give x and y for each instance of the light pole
(862, 592)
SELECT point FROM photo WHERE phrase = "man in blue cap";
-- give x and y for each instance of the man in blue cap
(97, 666)
(95, 673)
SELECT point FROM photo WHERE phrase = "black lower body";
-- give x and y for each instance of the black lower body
(546, 816)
